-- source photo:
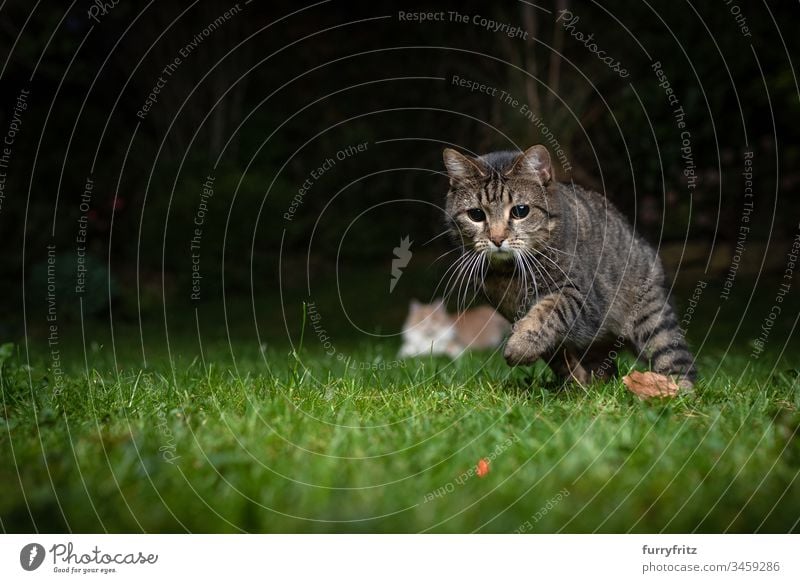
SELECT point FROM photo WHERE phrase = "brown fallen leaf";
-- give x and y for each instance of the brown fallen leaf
(647, 385)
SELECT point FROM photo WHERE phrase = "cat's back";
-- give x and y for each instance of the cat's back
(591, 209)
(600, 228)
(611, 262)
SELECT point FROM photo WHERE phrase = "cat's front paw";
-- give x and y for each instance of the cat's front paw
(520, 350)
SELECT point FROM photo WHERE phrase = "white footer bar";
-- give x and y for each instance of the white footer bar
(415, 558)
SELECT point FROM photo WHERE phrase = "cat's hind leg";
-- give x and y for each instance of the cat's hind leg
(657, 337)
(567, 367)
(584, 366)
(600, 360)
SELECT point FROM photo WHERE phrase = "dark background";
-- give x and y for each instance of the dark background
(277, 89)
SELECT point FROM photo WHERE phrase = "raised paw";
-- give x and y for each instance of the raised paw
(520, 350)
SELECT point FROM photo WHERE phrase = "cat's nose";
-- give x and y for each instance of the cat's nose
(497, 239)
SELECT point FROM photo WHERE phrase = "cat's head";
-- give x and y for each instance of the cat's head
(428, 329)
(428, 320)
(501, 203)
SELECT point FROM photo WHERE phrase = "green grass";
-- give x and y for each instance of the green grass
(285, 442)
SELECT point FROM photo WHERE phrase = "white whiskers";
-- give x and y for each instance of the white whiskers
(465, 275)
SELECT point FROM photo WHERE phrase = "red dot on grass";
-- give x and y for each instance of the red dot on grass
(482, 468)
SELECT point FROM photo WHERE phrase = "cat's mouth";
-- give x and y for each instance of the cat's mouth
(502, 252)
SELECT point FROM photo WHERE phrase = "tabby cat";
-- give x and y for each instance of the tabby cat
(564, 266)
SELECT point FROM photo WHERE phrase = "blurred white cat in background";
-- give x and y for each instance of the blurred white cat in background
(429, 329)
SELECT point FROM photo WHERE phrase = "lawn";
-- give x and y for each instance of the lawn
(295, 440)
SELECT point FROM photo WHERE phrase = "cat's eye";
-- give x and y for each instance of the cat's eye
(520, 211)
(476, 215)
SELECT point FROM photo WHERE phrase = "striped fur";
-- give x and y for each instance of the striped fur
(572, 275)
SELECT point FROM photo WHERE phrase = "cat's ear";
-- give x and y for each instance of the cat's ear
(462, 168)
(534, 162)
